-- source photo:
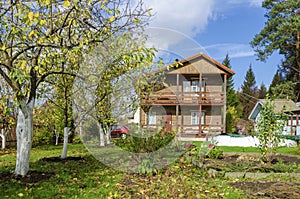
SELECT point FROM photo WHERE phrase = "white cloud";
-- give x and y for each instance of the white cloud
(234, 50)
(189, 17)
(176, 23)
(253, 3)
(186, 17)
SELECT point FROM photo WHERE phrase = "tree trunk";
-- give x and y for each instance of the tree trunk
(2, 135)
(107, 135)
(81, 128)
(56, 137)
(24, 137)
(65, 147)
(101, 134)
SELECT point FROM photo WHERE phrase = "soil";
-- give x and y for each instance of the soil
(31, 177)
(269, 189)
(59, 159)
(236, 157)
(36, 176)
(266, 189)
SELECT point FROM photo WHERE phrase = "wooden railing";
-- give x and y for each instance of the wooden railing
(171, 98)
(186, 130)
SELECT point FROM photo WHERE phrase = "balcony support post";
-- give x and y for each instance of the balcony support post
(200, 104)
(224, 101)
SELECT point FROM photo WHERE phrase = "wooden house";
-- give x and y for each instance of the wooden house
(293, 121)
(192, 98)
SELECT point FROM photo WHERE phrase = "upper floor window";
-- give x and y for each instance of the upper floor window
(193, 86)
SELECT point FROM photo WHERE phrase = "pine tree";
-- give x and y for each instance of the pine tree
(248, 95)
(262, 92)
(277, 79)
(232, 101)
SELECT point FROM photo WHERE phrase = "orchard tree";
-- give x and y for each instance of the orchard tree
(44, 38)
(281, 33)
(120, 66)
(269, 128)
(7, 117)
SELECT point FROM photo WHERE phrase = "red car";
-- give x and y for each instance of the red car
(119, 130)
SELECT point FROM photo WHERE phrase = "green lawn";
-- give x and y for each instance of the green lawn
(88, 178)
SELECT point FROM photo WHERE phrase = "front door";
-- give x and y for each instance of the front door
(168, 120)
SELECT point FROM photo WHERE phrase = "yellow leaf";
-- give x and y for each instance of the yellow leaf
(31, 34)
(112, 18)
(30, 15)
(42, 22)
(66, 3)
(20, 194)
(3, 47)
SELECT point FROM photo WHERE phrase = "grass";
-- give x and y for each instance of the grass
(88, 178)
(284, 150)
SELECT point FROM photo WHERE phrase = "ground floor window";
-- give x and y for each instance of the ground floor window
(195, 117)
(151, 117)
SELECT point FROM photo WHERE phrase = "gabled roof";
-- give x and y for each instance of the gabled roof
(279, 104)
(198, 56)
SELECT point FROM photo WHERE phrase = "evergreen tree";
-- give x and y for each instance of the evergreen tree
(284, 90)
(262, 92)
(277, 79)
(248, 95)
(281, 34)
(232, 101)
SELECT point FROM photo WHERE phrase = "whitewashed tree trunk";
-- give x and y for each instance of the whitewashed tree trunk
(107, 135)
(56, 137)
(24, 137)
(81, 128)
(101, 134)
(3, 137)
(65, 147)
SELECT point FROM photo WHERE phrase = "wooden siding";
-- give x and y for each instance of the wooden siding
(200, 66)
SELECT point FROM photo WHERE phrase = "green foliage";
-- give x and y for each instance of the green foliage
(205, 150)
(44, 125)
(262, 91)
(284, 90)
(233, 110)
(231, 118)
(215, 152)
(269, 128)
(149, 142)
(281, 34)
(248, 94)
(277, 79)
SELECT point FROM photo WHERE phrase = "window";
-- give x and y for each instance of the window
(186, 86)
(195, 86)
(203, 118)
(203, 86)
(151, 118)
(195, 117)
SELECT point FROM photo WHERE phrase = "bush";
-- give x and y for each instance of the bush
(215, 152)
(147, 143)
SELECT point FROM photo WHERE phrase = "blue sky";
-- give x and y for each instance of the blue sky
(216, 27)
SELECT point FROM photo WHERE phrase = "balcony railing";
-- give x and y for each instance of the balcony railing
(184, 98)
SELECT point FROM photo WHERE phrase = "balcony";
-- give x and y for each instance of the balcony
(185, 98)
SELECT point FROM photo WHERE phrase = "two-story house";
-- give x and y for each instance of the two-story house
(192, 98)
